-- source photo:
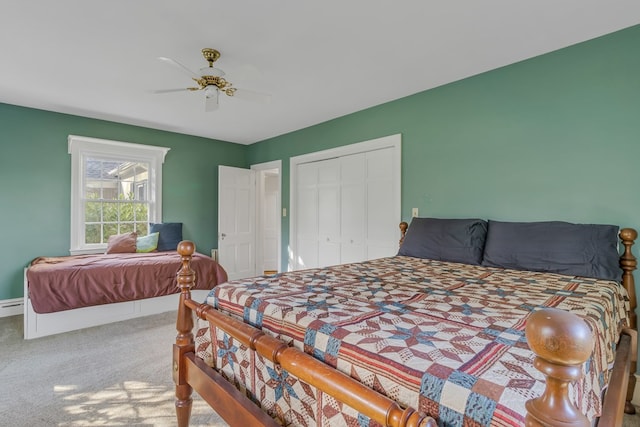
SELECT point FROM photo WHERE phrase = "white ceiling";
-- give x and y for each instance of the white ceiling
(318, 60)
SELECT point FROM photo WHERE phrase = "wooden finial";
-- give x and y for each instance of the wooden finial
(186, 248)
(562, 342)
(403, 231)
(186, 276)
(629, 263)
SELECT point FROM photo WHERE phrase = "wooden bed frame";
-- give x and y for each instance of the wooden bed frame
(561, 341)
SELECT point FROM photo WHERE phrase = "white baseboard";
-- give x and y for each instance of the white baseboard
(11, 307)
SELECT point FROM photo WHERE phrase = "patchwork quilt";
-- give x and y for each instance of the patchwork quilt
(444, 338)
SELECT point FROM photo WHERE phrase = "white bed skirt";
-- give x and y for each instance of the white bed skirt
(41, 325)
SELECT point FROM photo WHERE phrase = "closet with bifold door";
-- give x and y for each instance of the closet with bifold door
(347, 208)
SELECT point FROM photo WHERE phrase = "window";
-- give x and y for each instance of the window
(116, 188)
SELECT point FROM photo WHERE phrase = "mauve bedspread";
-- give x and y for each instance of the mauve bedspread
(63, 283)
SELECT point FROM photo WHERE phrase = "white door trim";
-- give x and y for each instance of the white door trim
(391, 141)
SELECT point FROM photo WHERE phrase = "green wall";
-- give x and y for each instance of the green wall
(35, 184)
(556, 137)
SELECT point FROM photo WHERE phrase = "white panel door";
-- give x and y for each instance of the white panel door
(353, 208)
(382, 217)
(236, 221)
(306, 208)
(329, 235)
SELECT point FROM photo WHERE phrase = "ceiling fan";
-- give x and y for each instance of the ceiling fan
(212, 83)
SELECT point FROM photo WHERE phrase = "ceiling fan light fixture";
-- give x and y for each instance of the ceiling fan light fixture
(211, 98)
(211, 92)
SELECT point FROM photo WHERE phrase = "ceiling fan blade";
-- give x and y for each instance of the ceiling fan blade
(210, 99)
(247, 72)
(249, 95)
(179, 66)
(175, 90)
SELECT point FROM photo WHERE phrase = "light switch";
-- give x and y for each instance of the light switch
(414, 212)
(284, 212)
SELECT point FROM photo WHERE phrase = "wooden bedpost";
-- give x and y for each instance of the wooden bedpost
(562, 342)
(403, 231)
(184, 339)
(628, 263)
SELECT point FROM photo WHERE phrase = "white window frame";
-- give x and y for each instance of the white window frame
(81, 147)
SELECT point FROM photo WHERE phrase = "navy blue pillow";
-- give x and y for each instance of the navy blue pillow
(453, 240)
(588, 250)
(170, 235)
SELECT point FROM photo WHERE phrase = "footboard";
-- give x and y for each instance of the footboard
(236, 408)
(561, 341)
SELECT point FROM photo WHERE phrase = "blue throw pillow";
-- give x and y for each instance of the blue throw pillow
(170, 235)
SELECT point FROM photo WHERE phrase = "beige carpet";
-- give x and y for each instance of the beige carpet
(112, 375)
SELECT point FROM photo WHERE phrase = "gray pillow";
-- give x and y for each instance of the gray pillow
(454, 240)
(588, 250)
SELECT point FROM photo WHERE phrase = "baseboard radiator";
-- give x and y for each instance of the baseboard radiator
(11, 307)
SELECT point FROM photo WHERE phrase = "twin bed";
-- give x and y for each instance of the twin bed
(73, 292)
(477, 323)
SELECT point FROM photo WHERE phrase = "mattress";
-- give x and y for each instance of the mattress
(64, 283)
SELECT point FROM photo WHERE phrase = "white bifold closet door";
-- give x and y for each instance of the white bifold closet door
(353, 212)
(345, 209)
(382, 214)
(329, 235)
(306, 255)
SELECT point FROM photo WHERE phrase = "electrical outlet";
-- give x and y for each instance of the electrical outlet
(414, 212)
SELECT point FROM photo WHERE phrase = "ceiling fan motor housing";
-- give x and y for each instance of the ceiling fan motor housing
(213, 76)
(210, 55)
